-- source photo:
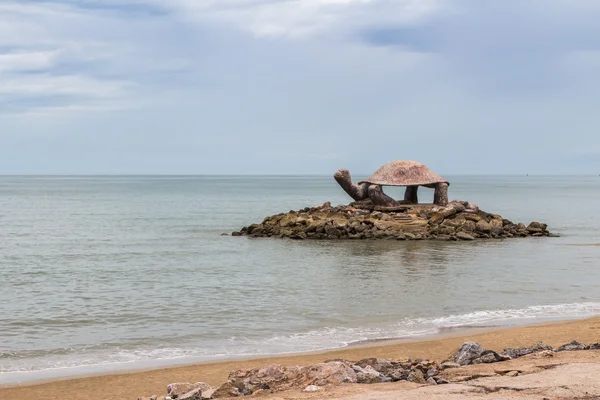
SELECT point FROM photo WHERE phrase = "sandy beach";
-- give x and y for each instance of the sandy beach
(131, 385)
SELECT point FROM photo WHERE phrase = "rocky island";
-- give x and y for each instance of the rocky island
(374, 215)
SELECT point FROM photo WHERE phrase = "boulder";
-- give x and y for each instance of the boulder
(468, 352)
(572, 346)
(488, 357)
(368, 375)
(416, 376)
(483, 227)
(463, 236)
(331, 373)
(397, 373)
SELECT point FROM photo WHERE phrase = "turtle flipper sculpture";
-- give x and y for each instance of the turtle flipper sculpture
(411, 174)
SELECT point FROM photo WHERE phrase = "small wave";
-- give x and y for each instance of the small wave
(118, 357)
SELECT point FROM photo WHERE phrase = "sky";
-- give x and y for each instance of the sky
(299, 86)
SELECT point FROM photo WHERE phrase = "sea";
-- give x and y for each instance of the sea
(112, 273)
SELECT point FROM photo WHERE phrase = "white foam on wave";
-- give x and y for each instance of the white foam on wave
(52, 366)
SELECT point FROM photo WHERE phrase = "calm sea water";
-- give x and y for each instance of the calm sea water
(105, 273)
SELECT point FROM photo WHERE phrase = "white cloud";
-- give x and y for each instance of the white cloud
(75, 54)
(303, 18)
(27, 61)
(74, 85)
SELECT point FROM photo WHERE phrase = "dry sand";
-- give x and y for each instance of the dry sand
(125, 386)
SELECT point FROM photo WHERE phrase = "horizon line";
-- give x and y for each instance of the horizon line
(262, 175)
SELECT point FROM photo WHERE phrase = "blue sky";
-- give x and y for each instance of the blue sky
(299, 86)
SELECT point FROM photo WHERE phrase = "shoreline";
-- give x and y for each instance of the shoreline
(133, 383)
(93, 371)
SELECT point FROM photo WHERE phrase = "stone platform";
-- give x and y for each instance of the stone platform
(459, 220)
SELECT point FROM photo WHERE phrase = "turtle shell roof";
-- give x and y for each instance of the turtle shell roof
(404, 173)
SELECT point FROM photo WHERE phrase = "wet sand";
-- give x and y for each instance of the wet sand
(133, 384)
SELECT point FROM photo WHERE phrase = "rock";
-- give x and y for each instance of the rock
(311, 388)
(431, 381)
(536, 227)
(276, 378)
(436, 219)
(332, 373)
(175, 390)
(483, 226)
(367, 375)
(431, 372)
(464, 236)
(449, 364)
(468, 352)
(496, 226)
(400, 223)
(595, 346)
(378, 364)
(227, 390)
(441, 381)
(487, 357)
(196, 394)
(397, 373)
(416, 376)
(572, 346)
(472, 217)
(299, 236)
(516, 353)
(545, 354)
(512, 373)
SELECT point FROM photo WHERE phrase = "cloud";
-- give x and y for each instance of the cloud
(77, 53)
(306, 86)
(295, 19)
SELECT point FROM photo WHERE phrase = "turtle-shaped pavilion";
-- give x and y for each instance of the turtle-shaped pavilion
(411, 174)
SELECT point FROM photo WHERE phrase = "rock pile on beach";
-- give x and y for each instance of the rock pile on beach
(276, 378)
(459, 220)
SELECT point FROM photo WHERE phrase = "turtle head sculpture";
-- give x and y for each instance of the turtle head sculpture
(407, 173)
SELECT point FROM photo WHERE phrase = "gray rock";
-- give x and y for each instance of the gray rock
(397, 373)
(487, 358)
(367, 374)
(468, 352)
(573, 346)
